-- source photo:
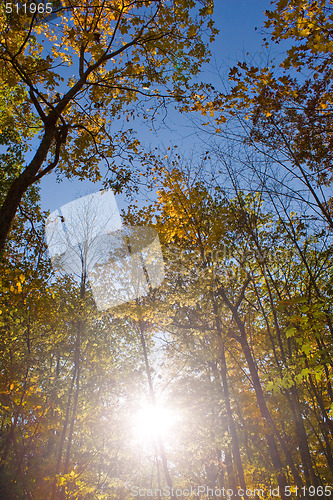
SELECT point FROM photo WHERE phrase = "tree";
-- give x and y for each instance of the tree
(124, 52)
(65, 369)
(282, 109)
(254, 303)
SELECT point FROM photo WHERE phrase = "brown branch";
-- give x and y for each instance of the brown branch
(60, 139)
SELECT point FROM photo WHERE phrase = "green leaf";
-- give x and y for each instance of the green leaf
(290, 332)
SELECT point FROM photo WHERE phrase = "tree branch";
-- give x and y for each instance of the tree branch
(60, 139)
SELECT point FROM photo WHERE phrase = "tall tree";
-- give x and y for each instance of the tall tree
(282, 108)
(254, 299)
(87, 71)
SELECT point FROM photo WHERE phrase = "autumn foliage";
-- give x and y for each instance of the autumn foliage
(237, 341)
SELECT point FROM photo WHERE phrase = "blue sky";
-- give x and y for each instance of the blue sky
(236, 20)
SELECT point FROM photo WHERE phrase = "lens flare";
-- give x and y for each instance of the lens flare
(154, 421)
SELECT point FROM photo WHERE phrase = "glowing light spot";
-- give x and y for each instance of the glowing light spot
(154, 421)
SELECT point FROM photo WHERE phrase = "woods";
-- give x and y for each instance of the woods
(218, 382)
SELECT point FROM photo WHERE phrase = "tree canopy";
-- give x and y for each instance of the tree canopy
(218, 382)
(83, 71)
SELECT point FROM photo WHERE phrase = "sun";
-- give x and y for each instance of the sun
(153, 422)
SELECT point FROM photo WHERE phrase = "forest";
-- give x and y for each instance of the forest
(214, 380)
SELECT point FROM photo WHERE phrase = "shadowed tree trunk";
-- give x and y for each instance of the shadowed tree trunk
(231, 422)
(264, 412)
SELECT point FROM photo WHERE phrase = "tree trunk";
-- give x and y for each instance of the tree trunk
(231, 423)
(21, 184)
(76, 397)
(264, 412)
(63, 436)
(230, 471)
(265, 415)
(302, 438)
